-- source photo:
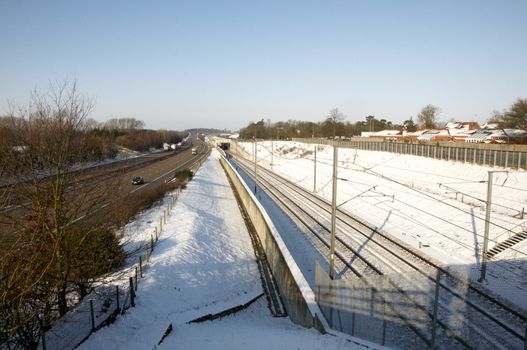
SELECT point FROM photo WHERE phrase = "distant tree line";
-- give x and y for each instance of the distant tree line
(130, 133)
(100, 140)
(336, 125)
(207, 131)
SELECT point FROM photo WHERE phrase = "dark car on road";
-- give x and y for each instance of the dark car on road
(138, 180)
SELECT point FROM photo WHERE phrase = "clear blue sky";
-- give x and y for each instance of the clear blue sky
(222, 64)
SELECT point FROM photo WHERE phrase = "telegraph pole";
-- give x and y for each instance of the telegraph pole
(487, 226)
(255, 153)
(315, 172)
(333, 214)
(272, 151)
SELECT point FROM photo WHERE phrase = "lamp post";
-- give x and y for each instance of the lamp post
(487, 225)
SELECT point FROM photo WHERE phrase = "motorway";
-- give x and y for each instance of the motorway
(165, 169)
(116, 177)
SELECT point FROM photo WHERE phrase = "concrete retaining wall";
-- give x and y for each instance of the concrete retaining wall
(297, 295)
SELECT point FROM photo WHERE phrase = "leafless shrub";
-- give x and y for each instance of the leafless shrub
(49, 257)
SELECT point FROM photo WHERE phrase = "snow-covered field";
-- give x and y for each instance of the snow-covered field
(204, 263)
(436, 206)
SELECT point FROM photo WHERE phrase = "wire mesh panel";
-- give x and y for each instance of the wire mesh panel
(482, 154)
(513, 159)
(70, 330)
(410, 310)
(371, 309)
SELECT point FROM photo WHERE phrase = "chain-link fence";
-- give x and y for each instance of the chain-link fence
(507, 156)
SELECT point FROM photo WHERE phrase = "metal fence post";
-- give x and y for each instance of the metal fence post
(132, 292)
(141, 266)
(44, 341)
(151, 245)
(372, 306)
(495, 156)
(353, 323)
(383, 341)
(436, 303)
(136, 278)
(92, 316)
(117, 297)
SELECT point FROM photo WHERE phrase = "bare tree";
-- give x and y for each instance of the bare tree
(496, 117)
(124, 124)
(91, 124)
(428, 115)
(50, 257)
(334, 118)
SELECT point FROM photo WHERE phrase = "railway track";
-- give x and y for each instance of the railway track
(478, 320)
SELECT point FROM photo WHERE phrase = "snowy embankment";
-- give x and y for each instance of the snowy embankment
(402, 195)
(203, 264)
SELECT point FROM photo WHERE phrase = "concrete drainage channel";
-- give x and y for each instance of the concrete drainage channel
(274, 300)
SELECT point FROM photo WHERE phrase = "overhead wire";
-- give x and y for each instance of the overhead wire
(372, 172)
(462, 244)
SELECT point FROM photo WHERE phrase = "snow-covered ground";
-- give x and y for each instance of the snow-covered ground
(402, 195)
(204, 263)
